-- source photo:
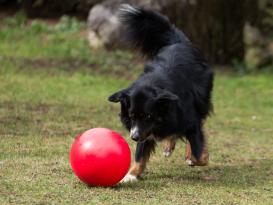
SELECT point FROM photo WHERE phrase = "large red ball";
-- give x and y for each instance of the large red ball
(100, 157)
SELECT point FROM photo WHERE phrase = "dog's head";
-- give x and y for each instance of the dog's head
(144, 109)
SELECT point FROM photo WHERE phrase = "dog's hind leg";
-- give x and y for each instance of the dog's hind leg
(191, 160)
(169, 146)
(142, 155)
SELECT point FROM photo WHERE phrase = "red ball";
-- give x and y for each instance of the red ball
(100, 157)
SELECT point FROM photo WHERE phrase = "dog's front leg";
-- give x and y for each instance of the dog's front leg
(142, 155)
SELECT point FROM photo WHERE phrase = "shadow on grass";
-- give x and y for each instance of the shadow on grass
(256, 173)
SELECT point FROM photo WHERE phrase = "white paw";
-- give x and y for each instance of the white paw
(167, 153)
(129, 178)
(189, 162)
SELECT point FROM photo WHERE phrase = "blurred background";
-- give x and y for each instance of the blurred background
(237, 33)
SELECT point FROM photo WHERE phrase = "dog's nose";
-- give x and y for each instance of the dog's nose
(135, 137)
(134, 134)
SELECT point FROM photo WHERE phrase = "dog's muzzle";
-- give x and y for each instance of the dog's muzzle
(134, 133)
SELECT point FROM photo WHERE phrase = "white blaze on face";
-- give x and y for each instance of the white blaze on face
(133, 131)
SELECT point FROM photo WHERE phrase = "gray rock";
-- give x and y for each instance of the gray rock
(103, 25)
(257, 53)
(256, 57)
(85, 5)
(252, 36)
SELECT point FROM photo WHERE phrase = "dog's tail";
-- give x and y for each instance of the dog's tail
(148, 30)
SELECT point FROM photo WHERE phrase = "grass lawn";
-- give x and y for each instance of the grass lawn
(53, 87)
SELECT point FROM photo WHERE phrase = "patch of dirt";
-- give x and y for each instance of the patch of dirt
(48, 62)
(40, 107)
(209, 178)
(75, 65)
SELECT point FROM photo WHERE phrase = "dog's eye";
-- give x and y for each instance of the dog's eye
(132, 116)
(148, 116)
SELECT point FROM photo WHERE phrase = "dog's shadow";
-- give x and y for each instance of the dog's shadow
(240, 176)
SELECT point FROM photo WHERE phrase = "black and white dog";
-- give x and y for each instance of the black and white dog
(172, 97)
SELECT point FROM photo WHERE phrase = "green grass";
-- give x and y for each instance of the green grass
(53, 87)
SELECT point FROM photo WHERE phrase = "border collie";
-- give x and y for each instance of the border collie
(171, 99)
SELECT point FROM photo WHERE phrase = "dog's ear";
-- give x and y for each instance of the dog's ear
(118, 96)
(165, 96)
(164, 101)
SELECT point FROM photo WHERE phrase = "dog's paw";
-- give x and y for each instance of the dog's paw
(189, 162)
(167, 153)
(129, 178)
(203, 161)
